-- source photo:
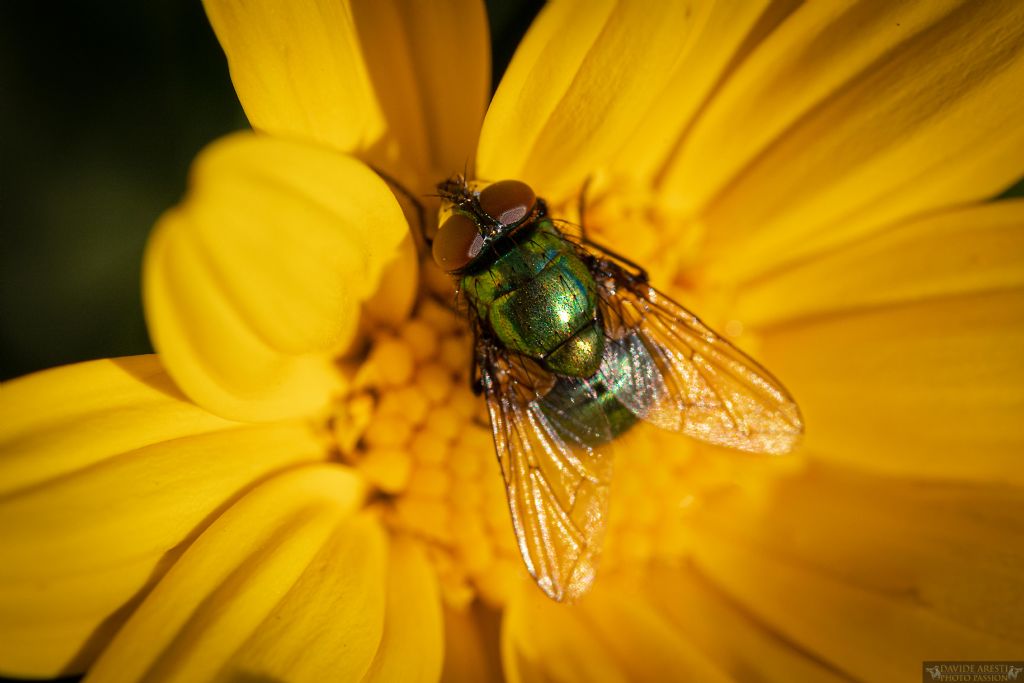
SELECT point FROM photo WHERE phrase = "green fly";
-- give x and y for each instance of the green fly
(573, 347)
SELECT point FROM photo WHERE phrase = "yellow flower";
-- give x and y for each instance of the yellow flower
(301, 488)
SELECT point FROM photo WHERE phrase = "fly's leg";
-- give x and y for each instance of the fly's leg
(476, 378)
(581, 206)
(639, 273)
(476, 384)
(421, 211)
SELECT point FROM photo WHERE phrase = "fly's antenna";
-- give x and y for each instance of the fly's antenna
(455, 190)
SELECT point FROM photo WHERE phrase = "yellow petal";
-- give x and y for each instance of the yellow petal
(648, 647)
(394, 299)
(974, 249)
(288, 585)
(375, 79)
(471, 645)
(107, 475)
(430, 63)
(579, 83)
(542, 640)
(255, 281)
(850, 116)
(741, 646)
(299, 71)
(929, 389)
(606, 637)
(411, 647)
(870, 574)
(710, 40)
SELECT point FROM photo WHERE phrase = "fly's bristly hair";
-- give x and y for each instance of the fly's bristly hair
(456, 190)
(462, 197)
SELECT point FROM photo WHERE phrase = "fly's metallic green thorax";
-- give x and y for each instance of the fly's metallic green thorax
(539, 299)
(527, 283)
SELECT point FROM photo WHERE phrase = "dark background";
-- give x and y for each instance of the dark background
(102, 108)
(103, 105)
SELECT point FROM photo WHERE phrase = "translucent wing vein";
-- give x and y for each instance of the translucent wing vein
(556, 477)
(691, 380)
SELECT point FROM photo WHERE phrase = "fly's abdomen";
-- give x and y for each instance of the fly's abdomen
(607, 404)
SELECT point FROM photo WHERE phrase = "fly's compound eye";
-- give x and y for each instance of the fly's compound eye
(507, 201)
(457, 242)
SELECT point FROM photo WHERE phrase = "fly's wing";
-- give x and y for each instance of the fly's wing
(685, 378)
(557, 468)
